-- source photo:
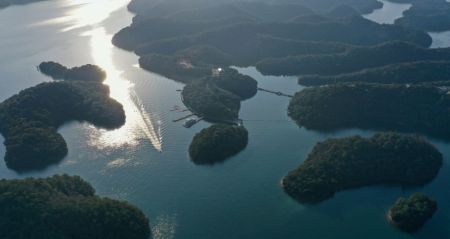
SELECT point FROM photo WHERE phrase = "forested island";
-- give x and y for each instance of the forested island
(188, 41)
(30, 119)
(65, 207)
(182, 41)
(217, 143)
(410, 214)
(401, 73)
(410, 108)
(218, 97)
(207, 100)
(339, 164)
(83, 73)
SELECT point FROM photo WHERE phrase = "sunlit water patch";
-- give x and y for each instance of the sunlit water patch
(440, 39)
(388, 13)
(139, 123)
(82, 13)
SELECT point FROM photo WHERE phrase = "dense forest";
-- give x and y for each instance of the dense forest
(411, 108)
(81, 73)
(217, 143)
(217, 95)
(168, 7)
(409, 214)
(338, 164)
(401, 73)
(428, 15)
(207, 100)
(355, 59)
(263, 29)
(30, 119)
(65, 207)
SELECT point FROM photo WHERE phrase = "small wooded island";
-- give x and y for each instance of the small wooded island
(410, 214)
(65, 207)
(338, 164)
(410, 108)
(82, 73)
(218, 97)
(30, 119)
(217, 143)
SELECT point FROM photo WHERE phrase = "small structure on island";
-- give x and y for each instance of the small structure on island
(216, 72)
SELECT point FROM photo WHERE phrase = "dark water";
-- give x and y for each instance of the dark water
(146, 161)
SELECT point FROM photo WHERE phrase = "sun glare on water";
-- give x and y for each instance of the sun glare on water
(139, 124)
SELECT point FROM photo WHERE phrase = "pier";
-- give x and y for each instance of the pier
(279, 93)
(182, 118)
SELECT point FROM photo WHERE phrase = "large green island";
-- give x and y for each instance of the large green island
(217, 143)
(30, 119)
(409, 108)
(65, 207)
(410, 214)
(339, 164)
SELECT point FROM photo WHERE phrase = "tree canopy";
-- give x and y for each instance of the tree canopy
(65, 207)
(217, 143)
(409, 214)
(338, 164)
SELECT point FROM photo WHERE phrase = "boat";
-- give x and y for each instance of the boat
(189, 122)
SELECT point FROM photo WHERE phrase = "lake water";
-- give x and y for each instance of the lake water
(146, 161)
(440, 39)
(388, 13)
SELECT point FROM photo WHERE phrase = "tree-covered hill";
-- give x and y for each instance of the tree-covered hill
(338, 164)
(65, 207)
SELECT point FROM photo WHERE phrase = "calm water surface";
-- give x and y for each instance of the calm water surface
(388, 13)
(146, 160)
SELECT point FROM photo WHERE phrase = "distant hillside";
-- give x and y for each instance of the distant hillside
(407, 73)
(355, 59)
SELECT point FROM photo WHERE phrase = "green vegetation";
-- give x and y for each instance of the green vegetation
(188, 40)
(339, 164)
(174, 68)
(262, 30)
(355, 59)
(211, 102)
(409, 214)
(415, 108)
(217, 143)
(402, 73)
(65, 207)
(30, 119)
(427, 15)
(169, 7)
(231, 80)
(82, 73)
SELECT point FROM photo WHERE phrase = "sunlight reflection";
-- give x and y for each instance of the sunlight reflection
(139, 124)
(84, 13)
